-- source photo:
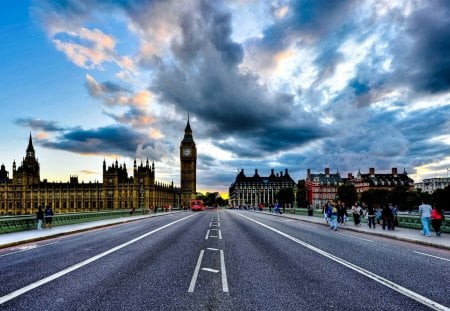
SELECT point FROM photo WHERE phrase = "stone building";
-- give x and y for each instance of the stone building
(25, 191)
(254, 190)
(429, 185)
(188, 167)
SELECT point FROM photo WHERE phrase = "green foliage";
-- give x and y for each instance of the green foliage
(301, 194)
(347, 194)
(211, 198)
(405, 199)
(441, 198)
(285, 196)
(375, 197)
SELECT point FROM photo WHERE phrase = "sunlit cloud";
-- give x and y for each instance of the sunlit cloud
(289, 83)
(87, 48)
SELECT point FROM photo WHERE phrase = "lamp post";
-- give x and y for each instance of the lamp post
(141, 196)
(295, 197)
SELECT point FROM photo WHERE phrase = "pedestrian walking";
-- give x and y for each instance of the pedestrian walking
(276, 209)
(356, 211)
(371, 216)
(40, 217)
(48, 217)
(394, 210)
(387, 218)
(325, 211)
(425, 215)
(341, 211)
(378, 214)
(332, 216)
(437, 217)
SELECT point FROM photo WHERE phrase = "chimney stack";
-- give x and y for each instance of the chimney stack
(327, 171)
(372, 171)
(394, 171)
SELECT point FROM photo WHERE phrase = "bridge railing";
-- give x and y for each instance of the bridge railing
(28, 222)
(404, 220)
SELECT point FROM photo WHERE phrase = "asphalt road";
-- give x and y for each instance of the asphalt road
(223, 260)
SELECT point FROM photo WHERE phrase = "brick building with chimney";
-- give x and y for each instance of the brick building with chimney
(322, 187)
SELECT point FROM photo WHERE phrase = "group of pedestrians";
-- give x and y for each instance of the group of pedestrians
(46, 216)
(335, 213)
(436, 215)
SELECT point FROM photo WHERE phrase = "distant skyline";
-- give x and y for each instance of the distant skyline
(278, 84)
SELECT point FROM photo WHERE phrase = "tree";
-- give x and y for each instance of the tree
(285, 196)
(301, 194)
(398, 195)
(375, 197)
(441, 198)
(211, 198)
(347, 194)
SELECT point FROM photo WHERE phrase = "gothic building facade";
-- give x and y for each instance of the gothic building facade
(24, 192)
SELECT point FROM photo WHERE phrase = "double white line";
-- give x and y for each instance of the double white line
(223, 271)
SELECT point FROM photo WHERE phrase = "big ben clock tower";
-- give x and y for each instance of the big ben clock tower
(188, 160)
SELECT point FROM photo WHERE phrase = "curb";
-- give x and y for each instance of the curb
(59, 234)
(410, 240)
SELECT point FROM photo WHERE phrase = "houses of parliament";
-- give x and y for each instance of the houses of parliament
(25, 192)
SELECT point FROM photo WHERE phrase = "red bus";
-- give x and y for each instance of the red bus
(197, 205)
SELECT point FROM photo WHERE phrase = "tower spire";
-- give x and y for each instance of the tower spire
(30, 148)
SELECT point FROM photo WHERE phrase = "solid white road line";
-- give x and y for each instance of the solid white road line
(61, 273)
(196, 270)
(424, 254)
(223, 272)
(402, 290)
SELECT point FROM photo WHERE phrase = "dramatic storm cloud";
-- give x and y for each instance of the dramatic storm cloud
(267, 84)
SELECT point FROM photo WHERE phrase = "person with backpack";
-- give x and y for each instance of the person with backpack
(48, 217)
(332, 215)
(437, 216)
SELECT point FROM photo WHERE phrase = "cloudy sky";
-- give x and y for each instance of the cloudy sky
(278, 84)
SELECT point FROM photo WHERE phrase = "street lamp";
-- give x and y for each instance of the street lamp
(295, 197)
(141, 192)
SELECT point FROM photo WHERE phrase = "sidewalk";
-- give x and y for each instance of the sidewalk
(21, 237)
(403, 234)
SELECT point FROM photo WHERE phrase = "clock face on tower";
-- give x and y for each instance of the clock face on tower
(186, 152)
